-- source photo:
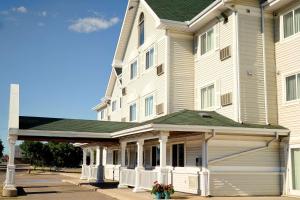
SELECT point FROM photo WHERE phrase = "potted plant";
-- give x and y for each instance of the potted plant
(157, 190)
(168, 190)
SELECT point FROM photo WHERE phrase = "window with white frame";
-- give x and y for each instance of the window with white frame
(114, 106)
(148, 106)
(150, 58)
(207, 41)
(292, 85)
(115, 157)
(133, 70)
(291, 23)
(208, 97)
(101, 114)
(132, 112)
(178, 155)
(155, 153)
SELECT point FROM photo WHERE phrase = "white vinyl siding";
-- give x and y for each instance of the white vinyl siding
(132, 112)
(291, 23)
(150, 58)
(208, 97)
(148, 106)
(133, 70)
(207, 41)
(292, 87)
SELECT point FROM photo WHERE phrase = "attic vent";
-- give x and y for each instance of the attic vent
(160, 109)
(205, 115)
(226, 99)
(225, 53)
(124, 91)
(159, 70)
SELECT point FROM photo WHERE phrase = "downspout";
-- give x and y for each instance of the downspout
(264, 63)
(236, 61)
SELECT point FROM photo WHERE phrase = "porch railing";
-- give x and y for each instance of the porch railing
(111, 172)
(127, 177)
(93, 172)
(147, 178)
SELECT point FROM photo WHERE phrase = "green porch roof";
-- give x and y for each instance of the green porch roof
(184, 117)
(76, 125)
(178, 10)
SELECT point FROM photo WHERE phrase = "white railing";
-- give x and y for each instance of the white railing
(111, 172)
(127, 177)
(85, 172)
(93, 172)
(147, 178)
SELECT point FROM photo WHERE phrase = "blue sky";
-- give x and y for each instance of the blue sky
(60, 52)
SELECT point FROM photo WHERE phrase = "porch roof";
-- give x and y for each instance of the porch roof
(71, 125)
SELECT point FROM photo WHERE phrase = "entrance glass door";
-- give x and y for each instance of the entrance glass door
(295, 169)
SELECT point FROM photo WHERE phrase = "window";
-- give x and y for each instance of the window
(115, 157)
(101, 114)
(141, 29)
(155, 156)
(208, 97)
(291, 23)
(296, 168)
(207, 41)
(292, 87)
(178, 155)
(148, 106)
(133, 70)
(114, 105)
(150, 58)
(132, 112)
(120, 102)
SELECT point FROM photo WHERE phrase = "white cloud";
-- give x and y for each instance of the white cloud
(44, 13)
(41, 24)
(92, 24)
(20, 9)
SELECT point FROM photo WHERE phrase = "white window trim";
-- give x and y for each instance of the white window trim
(154, 59)
(144, 104)
(136, 111)
(137, 69)
(292, 192)
(200, 42)
(116, 106)
(214, 83)
(100, 113)
(284, 76)
(171, 153)
(282, 38)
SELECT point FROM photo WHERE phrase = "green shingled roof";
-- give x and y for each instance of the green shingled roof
(178, 10)
(185, 117)
(77, 125)
(204, 118)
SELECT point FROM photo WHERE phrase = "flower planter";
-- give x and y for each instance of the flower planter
(167, 195)
(158, 195)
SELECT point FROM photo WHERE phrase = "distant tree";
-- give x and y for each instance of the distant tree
(1, 149)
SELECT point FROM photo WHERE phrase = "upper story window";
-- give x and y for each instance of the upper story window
(141, 29)
(207, 41)
(293, 87)
(150, 58)
(133, 70)
(120, 102)
(208, 97)
(132, 112)
(178, 155)
(101, 114)
(114, 105)
(148, 106)
(291, 23)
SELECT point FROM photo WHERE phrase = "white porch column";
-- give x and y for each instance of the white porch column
(163, 171)
(123, 165)
(90, 177)
(9, 189)
(104, 156)
(84, 174)
(99, 164)
(139, 167)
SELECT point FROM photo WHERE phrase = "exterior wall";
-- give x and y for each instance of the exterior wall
(255, 173)
(252, 94)
(210, 69)
(116, 96)
(147, 82)
(251, 3)
(181, 72)
(287, 61)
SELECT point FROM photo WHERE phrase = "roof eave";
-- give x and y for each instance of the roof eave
(272, 5)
